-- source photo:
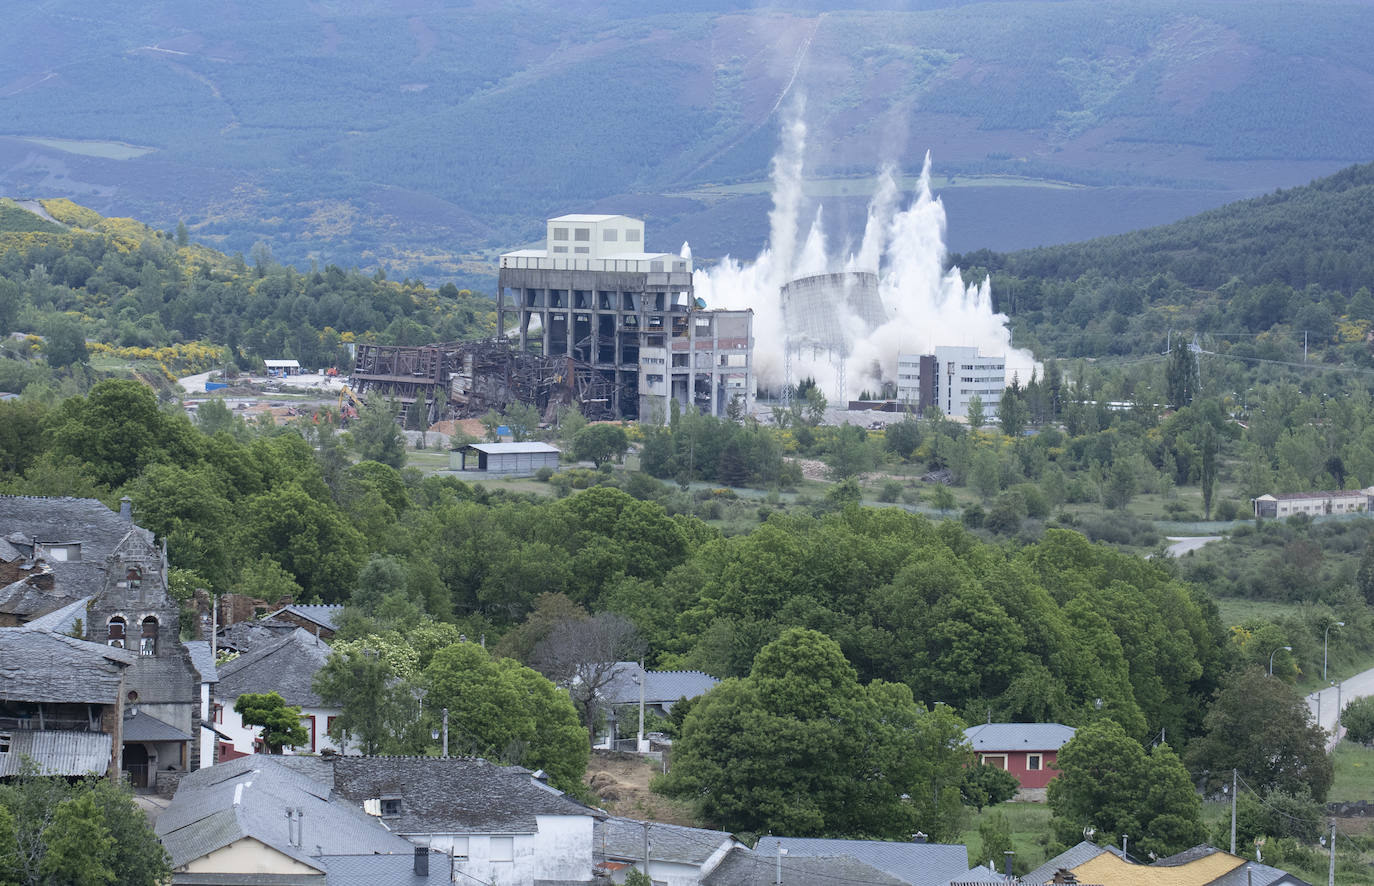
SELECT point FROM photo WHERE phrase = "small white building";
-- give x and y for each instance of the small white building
(1314, 504)
(287, 667)
(282, 367)
(949, 379)
(678, 856)
(505, 459)
(499, 825)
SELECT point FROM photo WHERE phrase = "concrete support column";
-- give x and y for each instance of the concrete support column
(500, 311)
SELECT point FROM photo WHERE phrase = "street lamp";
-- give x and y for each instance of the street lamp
(435, 733)
(1326, 634)
(1271, 658)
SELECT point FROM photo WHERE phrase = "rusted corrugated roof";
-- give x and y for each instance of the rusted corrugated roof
(57, 752)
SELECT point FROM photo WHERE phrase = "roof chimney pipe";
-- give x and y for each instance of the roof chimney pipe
(421, 861)
(126, 509)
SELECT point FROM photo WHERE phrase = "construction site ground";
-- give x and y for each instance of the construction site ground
(621, 781)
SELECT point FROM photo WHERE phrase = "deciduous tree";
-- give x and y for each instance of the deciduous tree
(280, 722)
(503, 710)
(1108, 781)
(1260, 727)
(600, 443)
(800, 747)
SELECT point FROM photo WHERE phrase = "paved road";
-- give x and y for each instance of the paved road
(1358, 686)
(1183, 544)
(194, 384)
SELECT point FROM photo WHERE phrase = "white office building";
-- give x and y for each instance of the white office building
(949, 379)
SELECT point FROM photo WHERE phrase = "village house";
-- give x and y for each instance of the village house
(259, 820)
(661, 690)
(1026, 750)
(744, 867)
(287, 667)
(53, 551)
(500, 825)
(1199, 866)
(677, 855)
(915, 863)
(61, 703)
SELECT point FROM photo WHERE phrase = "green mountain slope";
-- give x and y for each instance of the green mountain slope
(1315, 234)
(129, 286)
(1268, 276)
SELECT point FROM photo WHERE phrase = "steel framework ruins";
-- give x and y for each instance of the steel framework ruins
(466, 379)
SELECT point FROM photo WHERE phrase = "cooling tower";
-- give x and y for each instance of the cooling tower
(831, 311)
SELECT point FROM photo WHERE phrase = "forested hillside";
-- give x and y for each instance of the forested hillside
(125, 286)
(1251, 277)
(418, 136)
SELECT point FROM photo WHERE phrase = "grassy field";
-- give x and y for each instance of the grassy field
(1354, 773)
(1030, 833)
(1234, 610)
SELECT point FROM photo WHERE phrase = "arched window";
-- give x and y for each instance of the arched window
(148, 642)
(115, 635)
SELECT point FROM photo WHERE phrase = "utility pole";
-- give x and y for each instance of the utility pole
(643, 678)
(1331, 863)
(446, 733)
(1235, 779)
(646, 847)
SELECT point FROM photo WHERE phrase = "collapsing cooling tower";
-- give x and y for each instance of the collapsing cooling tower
(826, 314)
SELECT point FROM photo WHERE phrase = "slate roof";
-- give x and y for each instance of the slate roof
(624, 838)
(919, 864)
(743, 867)
(245, 797)
(457, 795)
(286, 666)
(31, 597)
(62, 621)
(981, 875)
(245, 635)
(1068, 859)
(83, 521)
(43, 666)
(393, 870)
(660, 687)
(203, 660)
(57, 752)
(145, 727)
(1018, 736)
(326, 615)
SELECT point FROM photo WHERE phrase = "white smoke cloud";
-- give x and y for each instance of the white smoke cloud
(926, 306)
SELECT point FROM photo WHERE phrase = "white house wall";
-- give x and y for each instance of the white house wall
(244, 736)
(560, 850)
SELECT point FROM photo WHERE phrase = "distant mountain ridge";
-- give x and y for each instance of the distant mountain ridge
(425, 136)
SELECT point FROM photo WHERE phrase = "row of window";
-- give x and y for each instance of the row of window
(608, 235)
(1034, 762)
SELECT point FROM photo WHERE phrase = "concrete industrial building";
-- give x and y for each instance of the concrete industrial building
(594, 296)
(949, 378)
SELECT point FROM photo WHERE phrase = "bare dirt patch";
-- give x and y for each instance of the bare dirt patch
(621, 781)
